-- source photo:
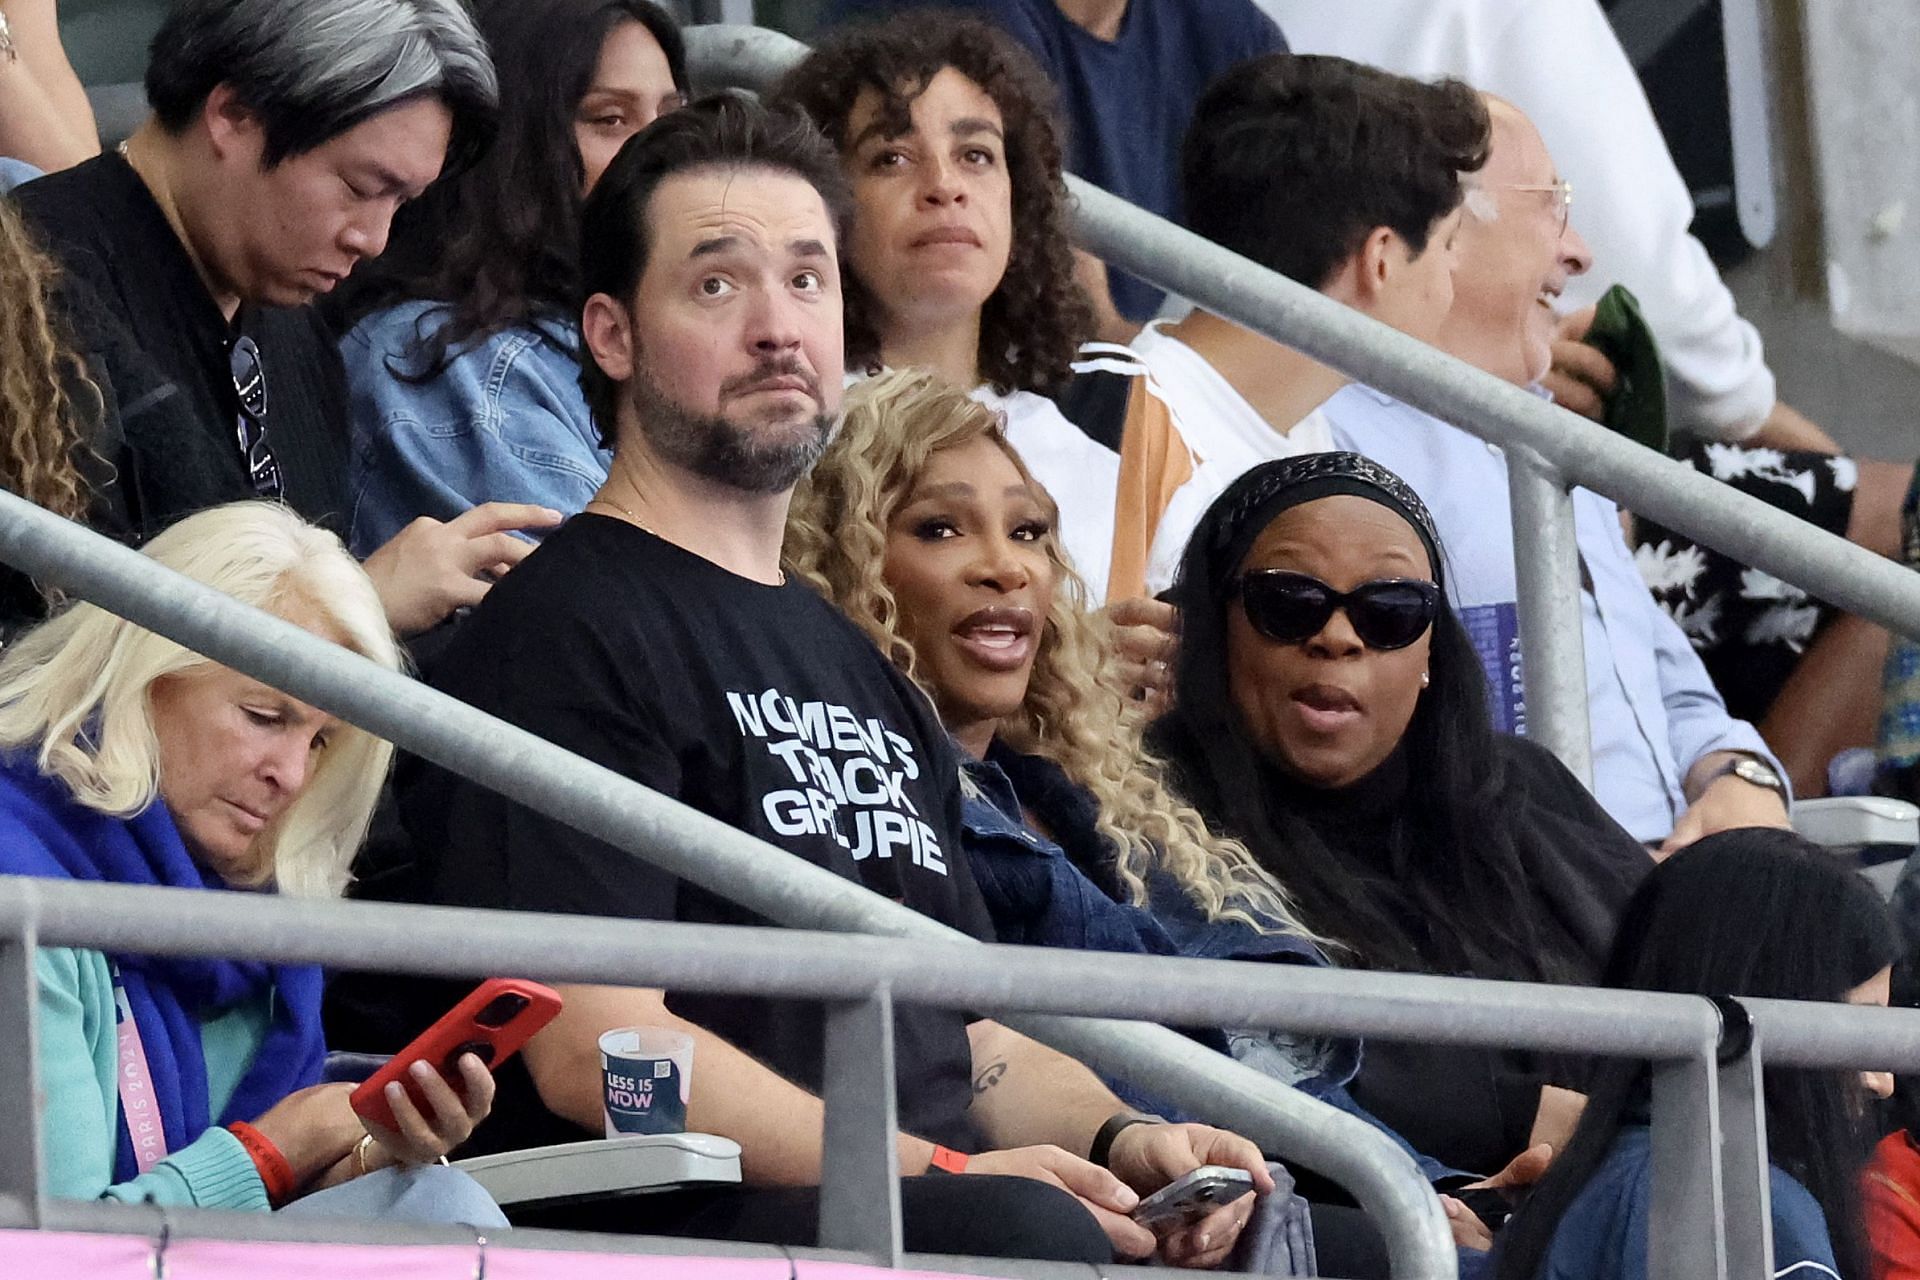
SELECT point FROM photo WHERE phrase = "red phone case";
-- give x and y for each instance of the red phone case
(500, 1015)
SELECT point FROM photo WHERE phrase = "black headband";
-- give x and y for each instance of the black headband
(1244, 511)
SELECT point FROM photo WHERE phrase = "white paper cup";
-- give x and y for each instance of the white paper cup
(647, 1073)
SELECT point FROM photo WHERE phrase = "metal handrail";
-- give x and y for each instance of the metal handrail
(953, 974)
(1576, 451)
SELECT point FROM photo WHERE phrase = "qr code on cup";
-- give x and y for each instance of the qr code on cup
(662, 1069)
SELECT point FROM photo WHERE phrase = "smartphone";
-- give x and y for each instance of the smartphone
(1192, 1196)
(492, 1023)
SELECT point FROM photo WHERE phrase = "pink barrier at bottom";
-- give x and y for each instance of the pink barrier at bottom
(50, 1255)
(56, 1255)
(804, 1270)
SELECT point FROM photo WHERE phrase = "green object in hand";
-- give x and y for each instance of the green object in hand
(1638, 407)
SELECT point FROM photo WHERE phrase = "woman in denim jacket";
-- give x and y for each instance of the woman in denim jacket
(463, 367)
(923, 526)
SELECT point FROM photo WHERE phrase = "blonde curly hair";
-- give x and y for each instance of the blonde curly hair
(38, 370)
(836, 539)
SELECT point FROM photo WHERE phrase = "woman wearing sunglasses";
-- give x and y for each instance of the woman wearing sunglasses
(923, 525)
(1330, 712)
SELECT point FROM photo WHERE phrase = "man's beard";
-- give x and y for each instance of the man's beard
(764, 459)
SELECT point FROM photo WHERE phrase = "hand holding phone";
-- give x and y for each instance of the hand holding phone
(1191, 1197)
(492, 1024)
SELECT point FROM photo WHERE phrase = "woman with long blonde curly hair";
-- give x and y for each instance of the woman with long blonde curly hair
(1024, 644)
(89, 429)
(921, 523)
(40, 379)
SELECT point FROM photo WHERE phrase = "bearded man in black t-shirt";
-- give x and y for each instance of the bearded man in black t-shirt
(656, 634)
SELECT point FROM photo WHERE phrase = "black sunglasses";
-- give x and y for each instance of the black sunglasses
(250, 384)
(1287, 607)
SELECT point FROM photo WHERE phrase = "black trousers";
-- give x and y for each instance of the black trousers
(978, 1214)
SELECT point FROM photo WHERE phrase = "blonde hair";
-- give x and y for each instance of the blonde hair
(836, 540)
(74, 689)
(38, 369)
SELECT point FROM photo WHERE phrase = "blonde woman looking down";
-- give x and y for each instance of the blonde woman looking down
(127, 759)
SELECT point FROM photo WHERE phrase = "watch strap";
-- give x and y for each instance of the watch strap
(1754, 764)
(1102, 1148)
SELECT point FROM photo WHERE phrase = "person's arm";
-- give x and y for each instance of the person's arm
(1705, 739)
(777, 1123)
(1108, 324)
(1583, 380)
(1787, 429)
(45, 118)
(1026, 1093)
(431, 568)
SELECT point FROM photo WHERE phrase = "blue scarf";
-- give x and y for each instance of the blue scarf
(45, 833)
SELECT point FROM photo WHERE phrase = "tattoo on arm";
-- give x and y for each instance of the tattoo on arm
(990, 1075)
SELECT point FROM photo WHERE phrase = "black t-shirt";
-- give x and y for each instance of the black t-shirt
(760, 706)
(106, 231)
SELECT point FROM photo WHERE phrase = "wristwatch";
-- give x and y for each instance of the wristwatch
(1754, 770)
(7, 50)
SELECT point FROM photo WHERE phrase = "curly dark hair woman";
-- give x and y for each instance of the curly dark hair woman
(1346, 740)
(861, 86)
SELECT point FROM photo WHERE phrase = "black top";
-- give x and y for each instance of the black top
(760, 706)
(1469, 1108)
(1474, 1108)
(109, 234)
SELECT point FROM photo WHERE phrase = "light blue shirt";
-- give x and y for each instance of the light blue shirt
(505, 421)
(1653, 708)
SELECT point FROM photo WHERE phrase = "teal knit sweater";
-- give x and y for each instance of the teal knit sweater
(80, 1117)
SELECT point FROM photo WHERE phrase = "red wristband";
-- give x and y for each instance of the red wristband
(948, 1160)
(275, 1173)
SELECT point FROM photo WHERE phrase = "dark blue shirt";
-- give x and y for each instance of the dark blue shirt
(1126, 101)
(1604, 1233)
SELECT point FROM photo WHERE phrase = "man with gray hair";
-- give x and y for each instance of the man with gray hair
(285, 135)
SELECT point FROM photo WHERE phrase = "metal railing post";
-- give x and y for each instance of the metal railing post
(1686, 1229)
(1546, 561)
(23, 1172)
(860, 1159)
(1744, 1175)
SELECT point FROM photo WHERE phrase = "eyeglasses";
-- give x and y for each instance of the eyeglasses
(250, 384)
(1479, 199)
(1387, 613)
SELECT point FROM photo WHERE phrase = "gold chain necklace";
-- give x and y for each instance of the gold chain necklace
(609, 502)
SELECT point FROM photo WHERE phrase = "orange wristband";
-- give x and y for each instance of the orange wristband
(947, 1160)
(275, 1173)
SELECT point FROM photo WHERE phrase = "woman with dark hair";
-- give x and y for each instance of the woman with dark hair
(1329, 711)
(463, 366)
(1749, 912)
(960, 262)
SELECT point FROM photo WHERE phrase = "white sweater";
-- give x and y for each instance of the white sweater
(1560, 62)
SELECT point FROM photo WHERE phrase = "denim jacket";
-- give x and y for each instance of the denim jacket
(505, 421)
(1038, 895)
